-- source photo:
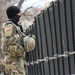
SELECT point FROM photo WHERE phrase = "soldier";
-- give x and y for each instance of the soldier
(12, 45)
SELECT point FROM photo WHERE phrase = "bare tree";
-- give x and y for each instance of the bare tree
(20, 3)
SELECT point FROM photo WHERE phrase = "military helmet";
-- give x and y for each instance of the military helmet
(29, 43)
(12, 11)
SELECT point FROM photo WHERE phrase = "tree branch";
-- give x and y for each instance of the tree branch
(20, 3)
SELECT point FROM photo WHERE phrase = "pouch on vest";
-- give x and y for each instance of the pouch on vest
(29, 43)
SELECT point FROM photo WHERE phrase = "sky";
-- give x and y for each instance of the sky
(38, 6)
(35, 3)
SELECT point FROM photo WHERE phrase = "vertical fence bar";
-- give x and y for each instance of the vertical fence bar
(52, 38)
(67, 42)
(50, 42)
(33, 52)
(44, 49)
(60, 39)
(56, 50)
(47, 32)
(37, 46)
(73, 19)
(63, 35)
(70, 38)
(42, 64)
(72, 24)
(36, 55)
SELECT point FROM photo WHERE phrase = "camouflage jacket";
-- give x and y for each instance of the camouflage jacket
(12, 49)
(11, 40)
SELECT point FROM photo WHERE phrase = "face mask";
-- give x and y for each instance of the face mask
(17, 17)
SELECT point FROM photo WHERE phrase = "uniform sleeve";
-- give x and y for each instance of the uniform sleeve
(10, 37)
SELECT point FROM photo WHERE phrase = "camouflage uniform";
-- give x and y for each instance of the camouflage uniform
(13, 50)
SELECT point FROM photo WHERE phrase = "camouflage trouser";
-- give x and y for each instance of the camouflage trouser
(15, 67)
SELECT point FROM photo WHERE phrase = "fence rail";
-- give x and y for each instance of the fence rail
(54, 30)
(46, 59)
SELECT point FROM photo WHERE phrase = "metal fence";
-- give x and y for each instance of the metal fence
(54, 30)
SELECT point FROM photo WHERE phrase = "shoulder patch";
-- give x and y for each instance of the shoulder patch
(8, 30)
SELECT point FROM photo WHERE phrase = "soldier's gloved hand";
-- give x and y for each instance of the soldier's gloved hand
(14, 39)
(32, 36)
(16, 36)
